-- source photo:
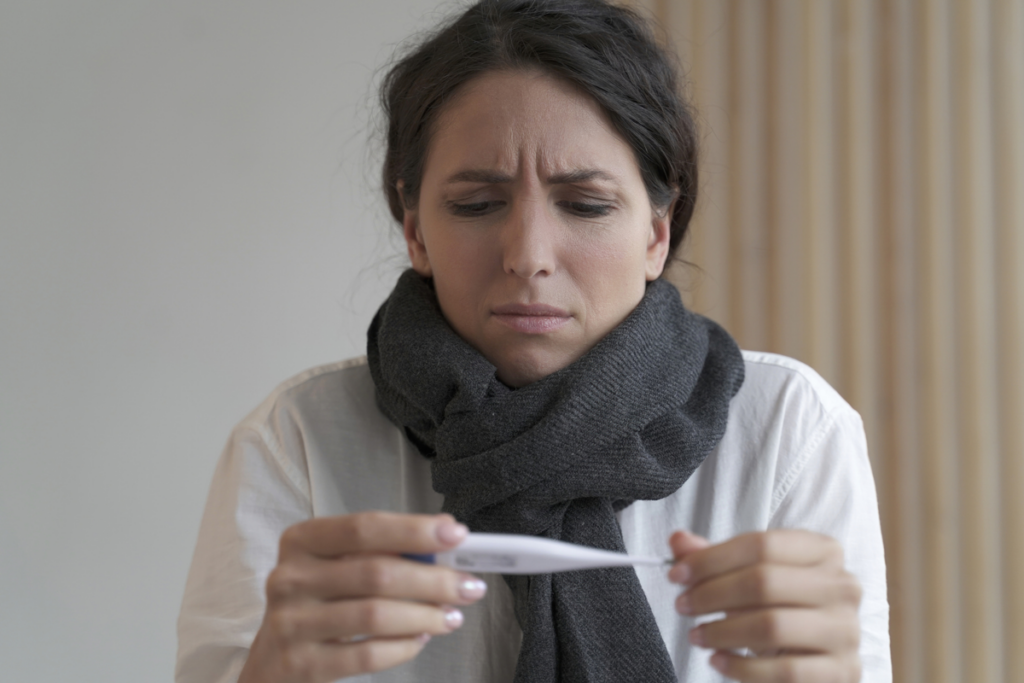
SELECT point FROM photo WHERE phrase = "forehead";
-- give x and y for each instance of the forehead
(505, 119)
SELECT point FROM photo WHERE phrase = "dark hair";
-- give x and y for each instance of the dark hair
(608, 52)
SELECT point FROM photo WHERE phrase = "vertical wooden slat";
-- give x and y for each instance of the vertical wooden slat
(677, 17)
(860, 240)
(981, 631)
(748, 247)
(710, 69)
(786, 171)
(937, 292)
(900, 493)
(818, 196)
(1008, 101)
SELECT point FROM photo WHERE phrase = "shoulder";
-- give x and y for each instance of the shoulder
(325, 423)
(329, 403)
(770, 376)
(782, 393)
(342, 390)
(785, 424)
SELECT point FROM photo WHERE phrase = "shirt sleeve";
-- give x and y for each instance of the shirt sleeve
(255, 495)
(830, 489)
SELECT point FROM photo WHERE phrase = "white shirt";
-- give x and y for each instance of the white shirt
(793, 456)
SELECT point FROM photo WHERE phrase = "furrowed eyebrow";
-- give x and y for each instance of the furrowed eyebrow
(580, 176)
(494, 177)
(479, 176)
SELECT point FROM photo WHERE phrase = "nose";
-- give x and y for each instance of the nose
(528, 240)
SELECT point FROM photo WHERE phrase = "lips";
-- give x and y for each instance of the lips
(531, 318)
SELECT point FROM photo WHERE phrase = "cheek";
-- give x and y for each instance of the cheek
(461, 270)
(612, 273)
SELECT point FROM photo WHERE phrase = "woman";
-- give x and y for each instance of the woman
(532, 373)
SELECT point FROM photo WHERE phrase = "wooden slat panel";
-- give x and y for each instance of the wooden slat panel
(981, 631)
(858, 220)
(900, 492)
(818, 195)
(787, 176)
(746, 163)
(1008, 102)
(710, 231)
(864, 189)
(938, 362)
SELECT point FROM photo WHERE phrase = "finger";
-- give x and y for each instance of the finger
(344, 619)
(372, 532)
(324, 662)
(770, 585)
(357, 576)
(787, 668)
(779, 546)
(684, 542)
(810, 630)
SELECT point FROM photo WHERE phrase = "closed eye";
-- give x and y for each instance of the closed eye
(474, 208)
(587, 210)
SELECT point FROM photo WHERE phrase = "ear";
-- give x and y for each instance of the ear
(657, 243)
(414, 239)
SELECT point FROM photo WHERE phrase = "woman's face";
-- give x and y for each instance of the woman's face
(534, 223)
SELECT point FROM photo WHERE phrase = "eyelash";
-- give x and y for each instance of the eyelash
(579, 208)
(590, 210)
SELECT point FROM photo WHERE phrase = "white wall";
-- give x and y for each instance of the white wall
(187, 218)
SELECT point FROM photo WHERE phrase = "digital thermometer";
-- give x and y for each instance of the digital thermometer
(515, 554)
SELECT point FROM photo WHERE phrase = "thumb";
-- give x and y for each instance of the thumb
(683, 543)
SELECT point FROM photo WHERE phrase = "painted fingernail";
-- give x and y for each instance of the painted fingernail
(696, 637)
(451, 533)
(472, 589)
(681, 573)
(423, 638)
(453, 618)
(683, 604)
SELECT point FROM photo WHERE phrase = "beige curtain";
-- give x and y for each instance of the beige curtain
(863, 211)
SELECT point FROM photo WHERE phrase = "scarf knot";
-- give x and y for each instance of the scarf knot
(629, 420)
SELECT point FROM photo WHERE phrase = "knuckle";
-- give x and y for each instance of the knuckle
(769, 627)
(378, 576)
(757, 584)
(283, 624)
(856, 669)
(362, 528)
(834, 550)
(298, 663)
(372, 615)
(789, 670)
(371, 657)
(852, 634)
(283, 583)
(289, 541)
(851, 590)
(763, 546)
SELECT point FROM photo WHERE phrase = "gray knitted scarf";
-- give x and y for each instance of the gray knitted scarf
(630, 420)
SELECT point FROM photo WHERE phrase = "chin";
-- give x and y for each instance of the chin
(527, 368)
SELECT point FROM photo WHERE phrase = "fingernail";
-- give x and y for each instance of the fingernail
(423, 638)
(681, 573)
(719, 661)
(472, 589)
(683, 604)
(696, 637)
(450, 533)
(453, 618)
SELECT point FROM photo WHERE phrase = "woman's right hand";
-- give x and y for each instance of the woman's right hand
(342, 602)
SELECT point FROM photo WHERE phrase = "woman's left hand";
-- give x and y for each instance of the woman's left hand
(786, 598)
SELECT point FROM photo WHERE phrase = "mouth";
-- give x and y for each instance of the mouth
(531, 318)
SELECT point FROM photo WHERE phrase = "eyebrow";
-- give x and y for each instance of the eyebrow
(495, 177)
